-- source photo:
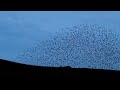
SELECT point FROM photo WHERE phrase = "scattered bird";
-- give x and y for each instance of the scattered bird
(82, 46)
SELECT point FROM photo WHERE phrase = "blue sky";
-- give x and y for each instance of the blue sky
(20, 30)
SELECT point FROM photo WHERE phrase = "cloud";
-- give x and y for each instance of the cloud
(21, 29)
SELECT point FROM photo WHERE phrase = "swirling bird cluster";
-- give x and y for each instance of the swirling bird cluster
(81, 46)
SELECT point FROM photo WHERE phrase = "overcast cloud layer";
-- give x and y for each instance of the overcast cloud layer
(20, 30)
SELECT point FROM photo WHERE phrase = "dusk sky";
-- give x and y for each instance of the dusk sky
(20, 30)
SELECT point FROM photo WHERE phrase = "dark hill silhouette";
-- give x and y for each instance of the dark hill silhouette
(13, 71)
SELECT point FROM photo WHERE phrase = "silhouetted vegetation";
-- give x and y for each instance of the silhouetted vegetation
(82, 46)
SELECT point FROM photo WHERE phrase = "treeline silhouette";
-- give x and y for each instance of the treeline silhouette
(82, 46)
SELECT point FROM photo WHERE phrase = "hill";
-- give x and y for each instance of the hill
(15, 71)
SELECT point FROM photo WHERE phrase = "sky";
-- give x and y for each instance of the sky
(20, 30)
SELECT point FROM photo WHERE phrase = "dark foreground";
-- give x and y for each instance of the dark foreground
(15, 71)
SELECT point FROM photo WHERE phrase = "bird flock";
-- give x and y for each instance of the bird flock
(81, 46)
